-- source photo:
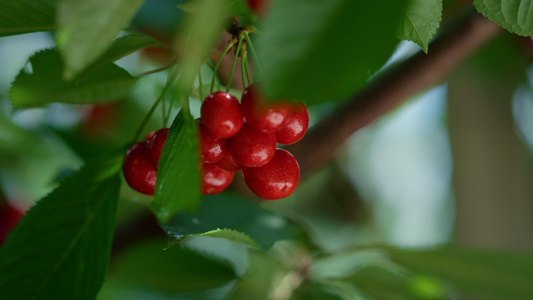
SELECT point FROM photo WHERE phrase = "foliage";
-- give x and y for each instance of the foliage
(219, 246)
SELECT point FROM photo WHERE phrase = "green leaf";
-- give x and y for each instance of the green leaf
(178, 177)
(514, 15)
(325, 50)
(422, 19)
(23, 16)
(315, 291)
(41, 82)
(251, 224)
(86, 29)
(387, 284)
(499, 275)
(172, 270)
(124, 46)
(61, 248)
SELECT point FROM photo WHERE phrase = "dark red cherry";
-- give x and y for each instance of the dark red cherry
(214, 179)
(212, 148)
(275, 180)
(296, 126)
(252, 148)
(157, 142)
(139, 171)
(228, 163)
(265, 117)
(221, 113)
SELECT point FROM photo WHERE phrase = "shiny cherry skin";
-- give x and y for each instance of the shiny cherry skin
(265, 117)
(139, 171)
(252, 148)
(275, 180)
(156, 144)
(212, 148)
(296, 126)
(228, 163)
(221, 113)
(214, 179)
(149, 135)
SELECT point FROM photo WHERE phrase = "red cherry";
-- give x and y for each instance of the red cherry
(221, 113)
(265, 117)
(9, 217)
(297, 125)
(258, 6)
(212, 148)
(252, 148)
(156, 145)
(149, 135)
(228, 163)
(139, 171)
(214, 179)
(275, 180)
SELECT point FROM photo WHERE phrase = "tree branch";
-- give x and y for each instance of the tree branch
(386, 92)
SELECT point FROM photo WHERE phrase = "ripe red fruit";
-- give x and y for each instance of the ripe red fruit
(156, 145)
(275, 180)
(221, 113)
(296, 126)
(214, 179)
(149, 135)
(212, 148)
(9, 217)
(265, 117)
(139, 171)
(258, 6)
(252, 148)
(228, 163)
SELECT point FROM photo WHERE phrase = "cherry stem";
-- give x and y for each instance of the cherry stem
(170, 79)
(243, 62)
(163, 111)
(230, 45)
(245, 58)
(241, 38)
(200, 83)
(249, 41)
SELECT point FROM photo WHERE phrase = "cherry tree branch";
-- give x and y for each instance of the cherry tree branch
(397, 85)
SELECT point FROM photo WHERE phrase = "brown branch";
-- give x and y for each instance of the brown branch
(412, 76)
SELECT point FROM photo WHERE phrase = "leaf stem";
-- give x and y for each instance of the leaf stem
(230, 45)
(228, 86)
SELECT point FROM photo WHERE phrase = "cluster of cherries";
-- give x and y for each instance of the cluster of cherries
(233, 136)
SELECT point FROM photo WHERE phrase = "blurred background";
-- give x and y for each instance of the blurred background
(452, 164)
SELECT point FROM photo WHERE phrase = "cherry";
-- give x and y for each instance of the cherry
(228, 163)
(296, 126)
(221, 113)
(212, 148)
(9, 217)
(156, 145)
(265, 117)
(214, 179)
(252, 148)
(149, 135)
(259, 7)
(139, 171)
(275, 180)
